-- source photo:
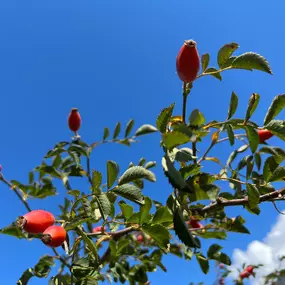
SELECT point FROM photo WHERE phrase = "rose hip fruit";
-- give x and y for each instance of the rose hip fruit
(264, 135)
(195, 224)
(98, 229)
(250, 269)
(140, 238)
(244, 274)
(188, 62)
(35, 222)
(74, 120)
(54, 236)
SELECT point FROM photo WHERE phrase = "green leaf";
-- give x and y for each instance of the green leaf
(205, 61)
(252, 105)
(257, 158)
(112, 172)
(106, 134)
(223, 258)
(270, 164)
(135, 173)
(253, 138)
(150, 164)
(174, 139)
(164, 118)
(277, 127)
(104, 205)
(272, 150)
(145, 129)
(162, 215)
(210, 235)
(130, 192)
(253, 195)
(96, 179)
(144, 210)
(192, 169)
(13, 230)
(117, 130)
(159, 233)
(278, 174)
(277, 105)
(196, 118)
(214, 72)
(129, 128)
(250, 61)
(122, 244)
(225, 52)
(233, 105)
(182, 155)
(181, 230)
(174, 176)
(231, 135)
(126, 209)
(26, 276)
(213, 249)
(203, 262)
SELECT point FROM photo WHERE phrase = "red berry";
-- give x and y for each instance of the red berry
(188, 61)
(264, 135)
(221, 281)
(195, 224)
(140, 238)
(35, 222)
(244, 274)
(54, 236)
(74, 120)
(250, 269)
(222, 265)
(98, 229)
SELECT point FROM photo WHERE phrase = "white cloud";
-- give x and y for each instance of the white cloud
(264, 252)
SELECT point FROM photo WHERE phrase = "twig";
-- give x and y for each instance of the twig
(276, 208)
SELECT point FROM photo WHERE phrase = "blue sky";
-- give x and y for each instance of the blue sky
(115, 60)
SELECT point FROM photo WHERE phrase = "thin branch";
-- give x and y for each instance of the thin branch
(60, 258)
(276, 208)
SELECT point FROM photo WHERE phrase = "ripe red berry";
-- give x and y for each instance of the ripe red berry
(54, 236)
(250, 269)
(221, 265)
(264, 135)
(244, 274)
(195, 224)
(35, 222)
(74, 120)
(188, 62)
(140, 238)
(98, 229)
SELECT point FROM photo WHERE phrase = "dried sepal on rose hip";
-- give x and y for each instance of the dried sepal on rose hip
(188, 62)
(35, 222)
(54, 236)
(74, 120)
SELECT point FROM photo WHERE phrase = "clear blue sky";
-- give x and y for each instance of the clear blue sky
(115, 60)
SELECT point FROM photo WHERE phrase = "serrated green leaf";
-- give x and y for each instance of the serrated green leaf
(117, 130)
(225, 52)
(188, 170)
(106, 134)
(277, 127)
(216, 235)
(250, 61)
(213, 249)
(129, 128)
(253, 138)
(233, 105)
(277, 105)
(145, 129)
(135, 173)
(196, 118)
(174, 139)
(13, 230)
(213, 72)
(130, 192)
(231, 135)
(181, 230)
(159, 233)
(257, 158)
(253, 195)
(205, 61)
(104, 205)
(182, 155)
(126, 209)
(203, 262)
(270, 164)
(144, 210)
(122, 243)
(252, 105)
(96, 179)
(162, 215)
(164, 118)
(112, 172)
(278, 174)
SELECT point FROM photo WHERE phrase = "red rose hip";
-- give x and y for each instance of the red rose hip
(74, 120)
(140, 238)
(188, 62)
(54, 236)
(264, 135)
(250, 269)
(35, 222)
(195, 224)
(99, 229)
